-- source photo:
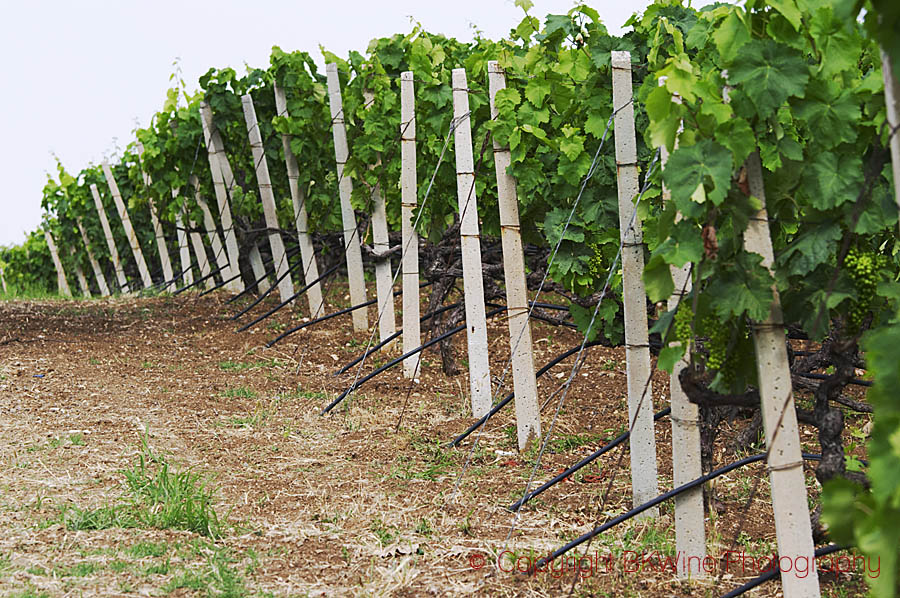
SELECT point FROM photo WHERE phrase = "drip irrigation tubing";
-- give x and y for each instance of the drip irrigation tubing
(542, 562)
(266, 262)
(269, 290)
(221, 284)
(335, 314)
(855, 381)
(590, 458)
(196, 282)
(383, 343)
(509, 397)
(400, 359)
(305, 288)
(768, 575)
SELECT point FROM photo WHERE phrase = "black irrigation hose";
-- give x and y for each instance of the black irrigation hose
(335, 314)
(248, 288)
(824, 550)
(380, 345)
(590, 458)
(855, 381)
(400, 359)
(542, 562)
(268, 291)
(196, 282)
(505, 401)
(220, 285)
(308, 286)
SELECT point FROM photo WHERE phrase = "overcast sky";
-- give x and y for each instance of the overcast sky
(80, 76)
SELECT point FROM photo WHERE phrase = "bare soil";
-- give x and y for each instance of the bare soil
(351, 503)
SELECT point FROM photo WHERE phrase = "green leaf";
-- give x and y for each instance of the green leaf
(707, 165)
(832, 181)
(581, 316)
(663, 123)
(596, 124)
(811, 248)
(744, 287)
(831, 113)
(731, 35)
(737, 136)
(769, 73)
(670, 356)
(657, 277)
(536, 90)
(789, 10)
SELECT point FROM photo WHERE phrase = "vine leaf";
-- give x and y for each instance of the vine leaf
(731, 35)
(830, 113)
(832, 182)
(772, 73)
(744, 287)
(811, 248)
(706, 165)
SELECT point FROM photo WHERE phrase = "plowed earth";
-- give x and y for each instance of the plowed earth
(346, 504)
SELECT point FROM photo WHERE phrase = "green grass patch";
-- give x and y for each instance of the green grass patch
(147, 549)
(239, 392)
(155, 496)
(567, 442)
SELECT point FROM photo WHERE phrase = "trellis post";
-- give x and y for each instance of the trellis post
(690, 531)
(470, 242)
(387, 322)
(187, 274)
(161, 247)
(298, 198)
(110, 240)
(200, 252)
(79, 273)
(222, 184)
(95, 265)
(259, 270)
(528, 415)
(892, 101)
(211, 233)
(642, 442)
(412, 333)
(352, 248)
(793, 530)
(61, 282)
(282, 268)
(126, 224)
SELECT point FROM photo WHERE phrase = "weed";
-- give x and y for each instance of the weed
(145, 549)
(118, 566)
(384, 534)
(82, 569)
(161, 568)
(77, 439)
(156, 496)
(424, 528)
(567, 442)
(231, 366)
(30, 592)
(239, 392)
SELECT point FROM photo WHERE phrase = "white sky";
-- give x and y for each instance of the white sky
(80, 76)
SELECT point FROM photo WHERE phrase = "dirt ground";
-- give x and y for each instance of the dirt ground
(351, 503)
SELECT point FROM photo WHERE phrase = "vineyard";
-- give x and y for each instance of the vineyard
(674, 253)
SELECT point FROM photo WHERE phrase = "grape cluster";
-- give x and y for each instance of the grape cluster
(717, 345)
(862, 267)
(683, 322)
(596, 263)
